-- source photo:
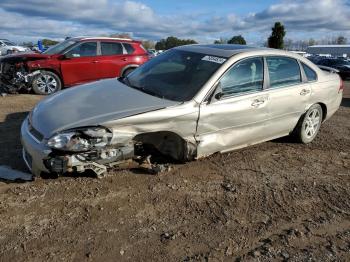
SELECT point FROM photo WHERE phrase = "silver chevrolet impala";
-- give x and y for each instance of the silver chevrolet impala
(190, 102)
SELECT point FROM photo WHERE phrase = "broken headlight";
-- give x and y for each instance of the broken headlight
(80, 140)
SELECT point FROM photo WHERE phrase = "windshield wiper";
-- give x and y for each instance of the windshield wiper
(152, 93)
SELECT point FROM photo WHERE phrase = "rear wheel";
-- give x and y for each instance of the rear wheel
(46, 83)
(128, 71)
(310, 124)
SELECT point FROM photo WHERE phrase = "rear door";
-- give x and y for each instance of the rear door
(288, 94)
(237, 117)
(112, 60)
(80, 64)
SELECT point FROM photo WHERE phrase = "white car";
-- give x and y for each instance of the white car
(187, 103)
(7, 47)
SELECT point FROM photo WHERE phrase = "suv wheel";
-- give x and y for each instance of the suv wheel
(46, 83)
(128, 71)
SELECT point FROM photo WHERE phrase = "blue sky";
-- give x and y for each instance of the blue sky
(219, 7)
(202, 20)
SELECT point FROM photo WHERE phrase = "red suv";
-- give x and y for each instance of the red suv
(73, 61)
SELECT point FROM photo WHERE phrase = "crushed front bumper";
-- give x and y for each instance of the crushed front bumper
(34, 151)
(40, 158)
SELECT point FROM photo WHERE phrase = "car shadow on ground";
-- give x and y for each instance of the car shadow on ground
(345, 102)
(10, 144)
(10, 141)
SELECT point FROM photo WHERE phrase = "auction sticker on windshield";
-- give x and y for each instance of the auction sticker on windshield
(214, 59)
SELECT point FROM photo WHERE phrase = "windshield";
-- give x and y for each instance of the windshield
(174, 75)
(57, 49)
(8, 43)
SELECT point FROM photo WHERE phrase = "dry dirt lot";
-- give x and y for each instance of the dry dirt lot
(274, 201)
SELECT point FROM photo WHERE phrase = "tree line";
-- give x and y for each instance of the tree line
(275, 40)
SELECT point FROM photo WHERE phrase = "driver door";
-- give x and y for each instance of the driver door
(80, 64)
(238, 113)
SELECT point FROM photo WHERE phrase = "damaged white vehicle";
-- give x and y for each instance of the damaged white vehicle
(189, 102)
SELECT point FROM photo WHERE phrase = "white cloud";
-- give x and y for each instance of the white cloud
(34, 19)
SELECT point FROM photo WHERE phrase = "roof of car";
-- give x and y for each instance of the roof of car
(80, 38)
(223, 50)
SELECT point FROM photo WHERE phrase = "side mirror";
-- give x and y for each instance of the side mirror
(218, 96)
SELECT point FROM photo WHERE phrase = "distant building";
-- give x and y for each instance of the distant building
(329, 50)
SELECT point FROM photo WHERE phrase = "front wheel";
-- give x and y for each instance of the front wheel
(310, 124)
(46, 83)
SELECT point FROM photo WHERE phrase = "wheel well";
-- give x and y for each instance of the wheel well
(127, 68)
(324, 110)
(52, 71)
(169, 144)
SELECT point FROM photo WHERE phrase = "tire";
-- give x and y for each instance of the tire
(46, 83)
(309, 124)
(128, 71)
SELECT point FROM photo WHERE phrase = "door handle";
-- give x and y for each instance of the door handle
(95, 61)
(124, 59)
(258, 102)
(304, 92)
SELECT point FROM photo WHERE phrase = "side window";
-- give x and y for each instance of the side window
(283, 71)
(111, 48)
(310, 74)
(245, 76)
(129, 48)
(83, 50)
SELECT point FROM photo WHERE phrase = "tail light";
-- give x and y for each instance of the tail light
(341, 87)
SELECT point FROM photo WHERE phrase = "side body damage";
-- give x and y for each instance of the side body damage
(103, 124)
(144, 125)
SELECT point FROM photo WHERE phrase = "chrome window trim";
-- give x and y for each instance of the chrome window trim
(280, 87)
(213, 88)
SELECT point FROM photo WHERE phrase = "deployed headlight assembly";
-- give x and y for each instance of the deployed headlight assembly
(80, 140)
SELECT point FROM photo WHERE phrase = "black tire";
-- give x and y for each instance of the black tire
(128, 71)
(309, 124)
(46, 83)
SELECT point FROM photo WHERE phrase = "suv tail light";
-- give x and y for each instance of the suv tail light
(341, 87)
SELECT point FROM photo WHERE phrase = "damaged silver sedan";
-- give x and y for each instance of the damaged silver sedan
(190, 102)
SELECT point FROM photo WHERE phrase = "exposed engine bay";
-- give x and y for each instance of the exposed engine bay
(15, 74)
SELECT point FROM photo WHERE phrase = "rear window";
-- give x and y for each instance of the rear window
(310, 74)
(111, 48)
(128, 47)
(283, 71)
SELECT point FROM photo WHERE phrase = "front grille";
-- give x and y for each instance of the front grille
(35, 133)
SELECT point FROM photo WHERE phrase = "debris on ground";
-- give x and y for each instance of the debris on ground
(220, 208)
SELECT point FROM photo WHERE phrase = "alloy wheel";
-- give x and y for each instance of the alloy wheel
(46, 84)
(312, 123)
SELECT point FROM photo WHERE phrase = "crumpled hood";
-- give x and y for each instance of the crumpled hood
(91, 104)
(23, 57)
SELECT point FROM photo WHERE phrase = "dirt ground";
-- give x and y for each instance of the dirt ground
(274, 201)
